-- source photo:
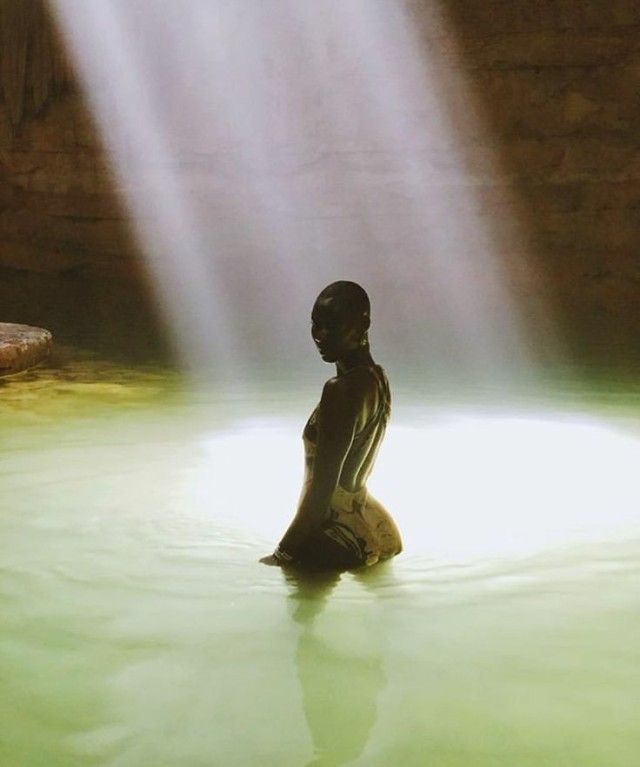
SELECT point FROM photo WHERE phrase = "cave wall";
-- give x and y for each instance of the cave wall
(67, 257)
(68, 260)
(557, 83)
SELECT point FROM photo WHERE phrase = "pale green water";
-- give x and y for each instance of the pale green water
(137, 627)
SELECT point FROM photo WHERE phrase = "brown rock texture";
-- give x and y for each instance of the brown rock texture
(558, 82)
(22, 347)
(67, 257)
(32, 65)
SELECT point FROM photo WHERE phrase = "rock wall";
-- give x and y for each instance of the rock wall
(67, 258)
(33, 66)
(557, 83)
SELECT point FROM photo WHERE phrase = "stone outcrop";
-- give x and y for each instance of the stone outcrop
(22, 347)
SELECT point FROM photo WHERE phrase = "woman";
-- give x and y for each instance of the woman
(338, 525)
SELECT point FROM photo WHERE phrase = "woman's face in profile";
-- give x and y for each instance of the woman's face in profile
(331, 330)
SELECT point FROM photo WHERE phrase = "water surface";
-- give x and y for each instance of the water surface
(137, 626)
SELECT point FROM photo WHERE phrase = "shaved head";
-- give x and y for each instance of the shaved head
(349, 296)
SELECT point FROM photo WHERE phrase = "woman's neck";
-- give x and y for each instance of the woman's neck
(356, 358)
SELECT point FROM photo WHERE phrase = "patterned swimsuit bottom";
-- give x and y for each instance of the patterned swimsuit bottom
(358, 531)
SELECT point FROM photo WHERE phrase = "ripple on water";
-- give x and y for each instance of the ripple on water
(136, 613)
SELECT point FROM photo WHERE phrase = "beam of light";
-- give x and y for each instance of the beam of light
(182, 267)
(268, 147)
(454, 250)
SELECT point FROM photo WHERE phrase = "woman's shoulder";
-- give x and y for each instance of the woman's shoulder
(355, 385)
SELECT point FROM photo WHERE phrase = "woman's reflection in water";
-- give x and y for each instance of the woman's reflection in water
(342, 672)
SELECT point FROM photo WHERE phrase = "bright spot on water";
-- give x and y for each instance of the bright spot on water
(460, 487)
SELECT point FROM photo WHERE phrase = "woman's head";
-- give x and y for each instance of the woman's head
(340, 320)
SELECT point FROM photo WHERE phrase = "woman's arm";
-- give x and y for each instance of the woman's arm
(337, 420)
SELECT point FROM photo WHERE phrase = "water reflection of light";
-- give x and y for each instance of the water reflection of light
(459, 487)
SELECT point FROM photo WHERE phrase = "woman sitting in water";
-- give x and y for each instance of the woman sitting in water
(338, 525)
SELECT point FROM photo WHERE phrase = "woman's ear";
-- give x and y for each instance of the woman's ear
(364, 329)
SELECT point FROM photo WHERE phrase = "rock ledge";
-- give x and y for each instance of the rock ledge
(22, 346)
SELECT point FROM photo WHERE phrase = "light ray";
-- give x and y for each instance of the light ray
(268, 148)
(183, 269)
